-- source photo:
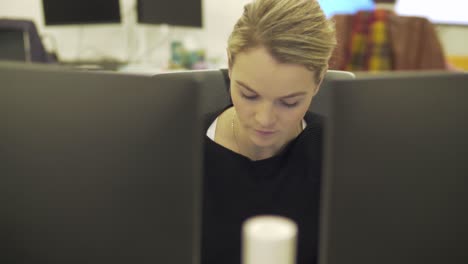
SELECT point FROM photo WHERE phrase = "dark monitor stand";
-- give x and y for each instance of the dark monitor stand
(396, 171)
(98, 168)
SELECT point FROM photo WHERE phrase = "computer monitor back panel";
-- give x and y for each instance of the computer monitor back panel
(396, 168)
(98, 168)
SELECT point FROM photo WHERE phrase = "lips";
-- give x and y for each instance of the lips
(264, 132)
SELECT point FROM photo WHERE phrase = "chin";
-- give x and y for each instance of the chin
(262, 141)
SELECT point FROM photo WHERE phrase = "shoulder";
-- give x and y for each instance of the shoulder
(312, 136)
(314, 121)
(209, 118)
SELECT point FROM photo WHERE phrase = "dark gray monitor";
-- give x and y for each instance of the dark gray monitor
(396, 171)
(72, 12)
(186, 13)
(14, 45)
(98, 168)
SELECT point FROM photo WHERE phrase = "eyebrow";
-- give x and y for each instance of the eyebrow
(283, 97)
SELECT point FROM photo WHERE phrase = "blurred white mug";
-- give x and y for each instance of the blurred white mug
(269, 239)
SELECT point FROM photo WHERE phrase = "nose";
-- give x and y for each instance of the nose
(265, 115)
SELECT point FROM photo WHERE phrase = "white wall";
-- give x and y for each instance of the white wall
(445, 12)
(129, 40)
(149, 44)
(454, 39)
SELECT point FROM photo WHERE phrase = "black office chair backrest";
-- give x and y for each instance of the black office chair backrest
(14, 45)
(33, 45)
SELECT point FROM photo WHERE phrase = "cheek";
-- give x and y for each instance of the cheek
(294, 116)
(237, 101)
(243, 109)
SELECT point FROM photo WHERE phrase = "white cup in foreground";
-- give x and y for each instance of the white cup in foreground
(269, 240)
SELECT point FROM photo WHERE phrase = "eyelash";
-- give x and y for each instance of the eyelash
(254, 97)
(251, 97)
(289, 105)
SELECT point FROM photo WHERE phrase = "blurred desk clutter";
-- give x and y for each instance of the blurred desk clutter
(458, 62)
(183, 58)
(102, 65)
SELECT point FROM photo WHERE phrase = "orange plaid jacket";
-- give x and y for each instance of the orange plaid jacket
(413, 44)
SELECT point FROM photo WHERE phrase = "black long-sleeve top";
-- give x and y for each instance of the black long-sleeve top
(236, 188)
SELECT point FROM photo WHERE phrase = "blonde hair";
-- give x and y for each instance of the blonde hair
(293, 31)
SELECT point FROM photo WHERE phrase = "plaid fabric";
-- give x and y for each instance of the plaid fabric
(369, 48)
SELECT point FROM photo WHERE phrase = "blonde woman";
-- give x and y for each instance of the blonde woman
(263, 153)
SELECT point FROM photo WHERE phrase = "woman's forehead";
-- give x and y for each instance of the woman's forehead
(260, 61)
(259, 70)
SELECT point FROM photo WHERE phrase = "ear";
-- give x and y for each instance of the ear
(229, 62)
(320, 81)
(318, 86)
(229, 74)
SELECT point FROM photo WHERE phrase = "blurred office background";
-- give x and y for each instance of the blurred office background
(152, 36)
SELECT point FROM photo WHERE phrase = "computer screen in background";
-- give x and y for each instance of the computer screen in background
(186, 13)
(452, 12)
(333, 7)
(98, 168)
(71, 12)
(395, 171)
